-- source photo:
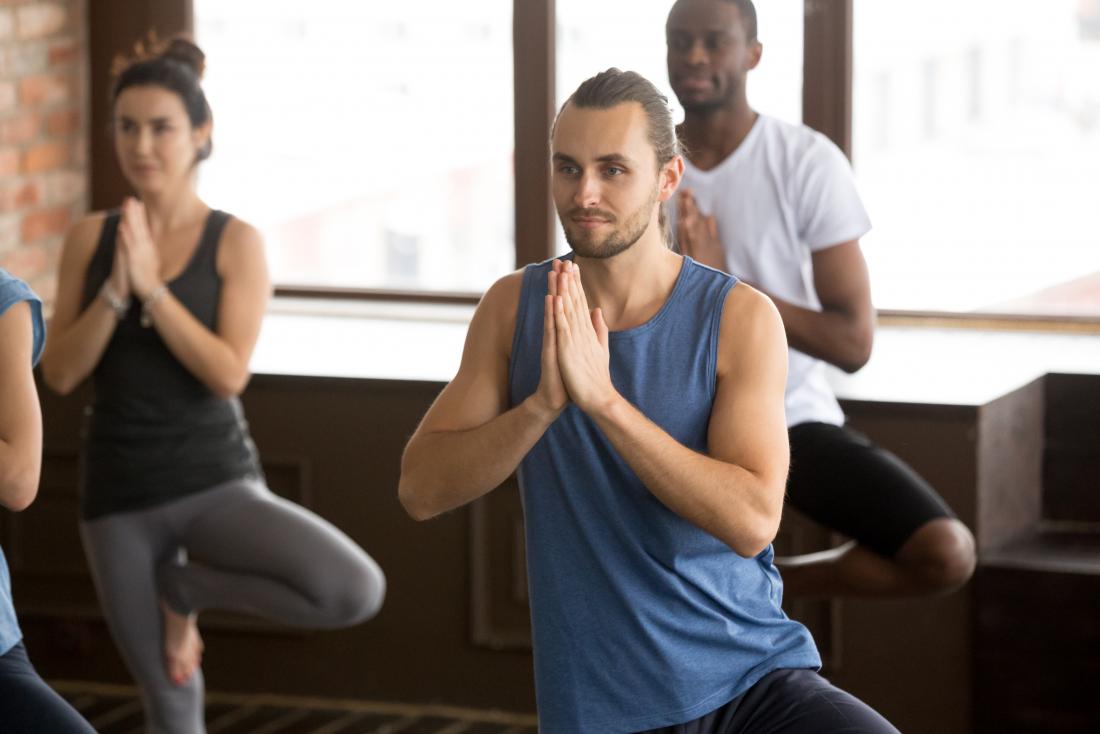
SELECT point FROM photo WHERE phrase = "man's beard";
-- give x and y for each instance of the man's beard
(720, 101)
(704, 107)
(620, 239)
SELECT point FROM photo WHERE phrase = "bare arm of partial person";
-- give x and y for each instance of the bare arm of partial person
(735, 490)
(20, 418)
(842, 332)
(470, 442)
(77, 338)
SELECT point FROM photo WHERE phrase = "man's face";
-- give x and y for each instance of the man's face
(709, 54)
(605, 178)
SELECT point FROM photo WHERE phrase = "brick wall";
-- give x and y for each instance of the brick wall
(43, 133)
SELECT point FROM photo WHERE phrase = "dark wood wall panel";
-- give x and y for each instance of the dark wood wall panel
(500, 615)
(32, 544)
(1037, 589)
(798, 535)
(1010, 455)
(1071, 475)
(827, 70)
(42, 543)
(1036, 652)
(534, 74)
(1071, 461)
(289, 477)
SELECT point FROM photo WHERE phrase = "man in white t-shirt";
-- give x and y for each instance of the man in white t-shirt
(776, 205)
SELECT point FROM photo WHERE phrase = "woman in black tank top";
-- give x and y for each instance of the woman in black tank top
(160, 303)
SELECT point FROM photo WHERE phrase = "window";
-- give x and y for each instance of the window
(976, 142)
(371, 143)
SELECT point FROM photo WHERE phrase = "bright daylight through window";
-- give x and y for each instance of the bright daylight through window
(370, 142)
(373, 142)
(976, 143)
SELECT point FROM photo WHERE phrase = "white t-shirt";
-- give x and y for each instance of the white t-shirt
(785, 193)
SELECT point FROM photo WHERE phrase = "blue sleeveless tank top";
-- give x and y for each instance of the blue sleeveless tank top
(640, 619)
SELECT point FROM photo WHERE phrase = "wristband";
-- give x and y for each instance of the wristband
(149, 302)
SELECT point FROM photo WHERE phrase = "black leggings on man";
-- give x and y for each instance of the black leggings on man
(28, 705)
(788, 702)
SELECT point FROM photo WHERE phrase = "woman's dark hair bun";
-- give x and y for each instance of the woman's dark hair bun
(183, 50)
(178, 48)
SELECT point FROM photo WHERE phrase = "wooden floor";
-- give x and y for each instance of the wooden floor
(116, 710)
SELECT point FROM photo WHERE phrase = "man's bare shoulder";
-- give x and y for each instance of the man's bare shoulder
(495, 318)
(503, 294)
(751, 327)
(747, 309)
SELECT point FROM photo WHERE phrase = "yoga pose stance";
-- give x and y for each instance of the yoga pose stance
(161, 303)
(776, 205)
(640, 396)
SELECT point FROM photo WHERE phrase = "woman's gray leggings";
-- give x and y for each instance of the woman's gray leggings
(252, 552)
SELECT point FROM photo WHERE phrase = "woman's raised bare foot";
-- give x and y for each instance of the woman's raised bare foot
(182, 644)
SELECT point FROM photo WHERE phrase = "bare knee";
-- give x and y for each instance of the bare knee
(940, 554)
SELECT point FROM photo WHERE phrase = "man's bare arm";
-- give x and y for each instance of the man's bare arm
(843, 332)
(20, 417)
(469, 443)
(736, 492)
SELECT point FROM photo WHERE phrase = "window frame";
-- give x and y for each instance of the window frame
(826, 106)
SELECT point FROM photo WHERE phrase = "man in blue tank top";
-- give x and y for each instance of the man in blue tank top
(639, 395)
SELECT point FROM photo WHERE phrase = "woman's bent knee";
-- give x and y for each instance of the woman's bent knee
(357, 594)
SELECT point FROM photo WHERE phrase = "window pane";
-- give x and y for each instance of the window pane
(370, 142)
(593, 36)
(976, 142)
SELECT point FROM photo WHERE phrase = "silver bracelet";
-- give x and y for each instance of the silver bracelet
(149, 302)
(118, 304)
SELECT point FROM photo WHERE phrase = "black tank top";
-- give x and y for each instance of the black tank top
(153, 431)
